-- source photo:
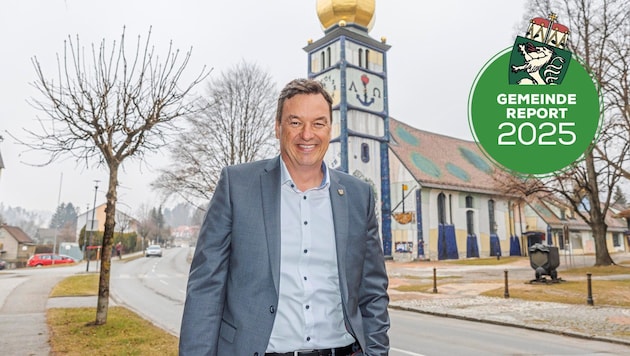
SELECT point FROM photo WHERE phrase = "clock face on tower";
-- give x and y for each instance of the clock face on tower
(365, 90)
(331, 82)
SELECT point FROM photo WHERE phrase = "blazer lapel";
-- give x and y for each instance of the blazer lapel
(270, 190)
(339, 202)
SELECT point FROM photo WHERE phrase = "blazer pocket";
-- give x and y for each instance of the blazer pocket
(227, 331)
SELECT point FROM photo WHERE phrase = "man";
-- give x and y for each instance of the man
(289, 257)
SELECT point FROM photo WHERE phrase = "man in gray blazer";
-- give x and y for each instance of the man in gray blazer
(288, 259)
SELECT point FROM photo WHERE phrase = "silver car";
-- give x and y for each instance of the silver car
(153, 250)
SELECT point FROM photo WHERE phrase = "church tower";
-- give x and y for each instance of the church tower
(352, 67)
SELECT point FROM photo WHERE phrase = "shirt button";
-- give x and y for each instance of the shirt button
(308, 338)
(306, 223)
(305, 251)
(308, 307)
(305, 278)
(305, 197)
(272, 309)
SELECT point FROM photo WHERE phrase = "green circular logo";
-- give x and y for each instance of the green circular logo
(533, 129)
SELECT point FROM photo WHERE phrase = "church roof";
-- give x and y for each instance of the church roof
(440, 161)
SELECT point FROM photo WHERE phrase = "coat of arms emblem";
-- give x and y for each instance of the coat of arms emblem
(541, 57)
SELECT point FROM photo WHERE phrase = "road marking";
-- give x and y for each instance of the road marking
(405, 352)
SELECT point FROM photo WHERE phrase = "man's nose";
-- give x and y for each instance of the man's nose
(307, 132)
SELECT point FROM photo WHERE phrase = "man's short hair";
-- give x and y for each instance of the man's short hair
(302, 86)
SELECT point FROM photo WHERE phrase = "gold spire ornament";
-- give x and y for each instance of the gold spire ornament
(359, 12)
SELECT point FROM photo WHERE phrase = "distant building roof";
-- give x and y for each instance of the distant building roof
(18, 234)
(623, 214)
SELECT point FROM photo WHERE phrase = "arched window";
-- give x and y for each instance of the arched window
(367, 55)
(441, 208)
(365, 152)
(491, 220)
(469, 201)
(470, 225)
(323, 66)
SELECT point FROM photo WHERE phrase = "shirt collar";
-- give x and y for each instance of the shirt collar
(285, 176)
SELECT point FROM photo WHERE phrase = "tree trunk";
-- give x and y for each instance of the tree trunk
(597, 221)
(602, 257)
(102, 304)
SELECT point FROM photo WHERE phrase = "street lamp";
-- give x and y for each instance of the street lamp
(87, 267)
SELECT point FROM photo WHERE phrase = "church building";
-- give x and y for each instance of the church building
(438, 195)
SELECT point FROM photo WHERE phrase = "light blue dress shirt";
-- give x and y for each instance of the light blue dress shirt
(309, 314)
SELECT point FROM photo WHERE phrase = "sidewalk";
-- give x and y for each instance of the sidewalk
(24, 299)
(23, 313)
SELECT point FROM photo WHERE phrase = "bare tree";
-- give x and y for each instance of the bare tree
(235, 126)
(107, 107)
(599, 37)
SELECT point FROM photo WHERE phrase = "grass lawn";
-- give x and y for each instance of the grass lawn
(78, 285)
(125, 333)
(611, 292)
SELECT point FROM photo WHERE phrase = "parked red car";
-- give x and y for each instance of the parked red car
(47, 259)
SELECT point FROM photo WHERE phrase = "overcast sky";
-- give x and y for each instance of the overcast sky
(438, 47)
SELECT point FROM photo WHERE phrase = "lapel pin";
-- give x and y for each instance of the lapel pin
(340, 191)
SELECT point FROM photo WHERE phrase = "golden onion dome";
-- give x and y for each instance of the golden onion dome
(342, 12)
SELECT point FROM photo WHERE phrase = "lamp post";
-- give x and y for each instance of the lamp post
(87, 268)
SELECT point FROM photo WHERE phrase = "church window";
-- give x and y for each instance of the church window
(441, 208)
(323, 66)
(491, 218)
(469, 201)
(365, 152)
(328, 63)
(470, 226)
(360, 57)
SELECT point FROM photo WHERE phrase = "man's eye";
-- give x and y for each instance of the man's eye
(319, 125)
(294, 123)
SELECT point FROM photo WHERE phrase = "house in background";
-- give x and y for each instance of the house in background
(564, 228)
(15, 245)
(94, 220)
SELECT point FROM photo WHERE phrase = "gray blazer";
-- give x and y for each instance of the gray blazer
(233, 289)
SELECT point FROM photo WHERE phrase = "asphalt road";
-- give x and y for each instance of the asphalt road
(155, 288)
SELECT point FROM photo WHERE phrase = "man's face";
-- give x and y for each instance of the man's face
(304, 131)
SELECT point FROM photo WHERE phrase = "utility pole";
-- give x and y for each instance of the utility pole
(58, 203)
